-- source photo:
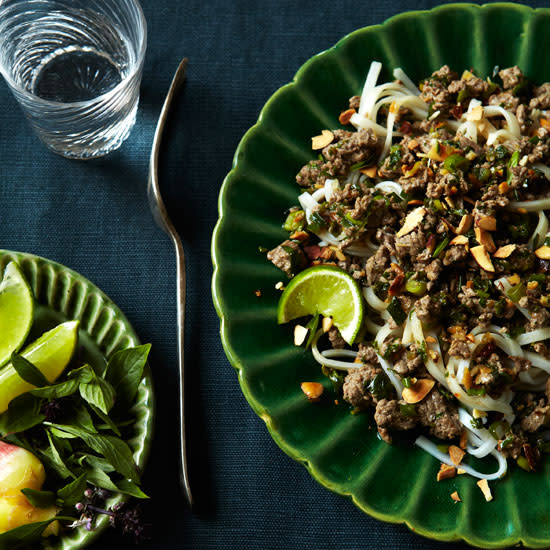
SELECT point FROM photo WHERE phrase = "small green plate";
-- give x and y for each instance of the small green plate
(392, 483)
(62, 294)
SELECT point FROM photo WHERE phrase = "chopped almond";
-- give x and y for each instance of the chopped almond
(460, 471)
(469, 284)
(484, 486)
(476, 114)
(369, 172)
(460, 240)
(299, 236)
(313, 390)
(413, 144)
(467, 379)
(514, 279)
(446, 472)
(503, 187)
(482, 258)
(456, 454)
(545, 123)
(412, 220)
(420, 389)
(339, 254)
(320, 142)
(465, 224)
(415, 202)
(455, 496)
(532, 285)
(543, 252)
(430, 340)
(280, 285)
(345, 116)
(485, 238)
(505, 251)
(300, 334)
(327, 323)
(463, 439)
(489, 223)
(522, 211)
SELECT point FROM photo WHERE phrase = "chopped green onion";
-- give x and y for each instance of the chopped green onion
(441, 246)
(317, 222)
(516, 292)
(407, 409)
(456, 162)
(312, 327)
(476, 391)
(514, 159)
(407, 382)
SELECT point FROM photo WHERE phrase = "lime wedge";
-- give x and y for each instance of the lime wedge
(16, 311)
(50, 354)
(326, 290)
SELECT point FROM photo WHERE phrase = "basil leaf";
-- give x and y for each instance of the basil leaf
(125, 371)
(64, 389)
(105, 417)
(98, 392)
(23, 413)
(39, 499)
(27, 371)
(100, 479)
(114, 449)
(23, 536)
(71, 493)
(128, 488)
(96, 462)
(80, 417)
(53, 457)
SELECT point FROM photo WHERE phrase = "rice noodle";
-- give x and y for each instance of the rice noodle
(543, 168)
(530, 206)
(395, 380)
(370, 82)
(534, 336)
(328, 361)
(389, 187)
(430, 447)
(373, 300)
(537, 238)
(399, 74)
(484, 441)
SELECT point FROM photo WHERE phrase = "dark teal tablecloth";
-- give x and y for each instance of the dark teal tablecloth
(93, 216)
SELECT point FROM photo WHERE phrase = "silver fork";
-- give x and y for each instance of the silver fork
(160, 214)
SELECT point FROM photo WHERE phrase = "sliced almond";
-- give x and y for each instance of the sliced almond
(300, 335)
(456, 454)
(369, 172)
(455, 496)
(514, 279)
(446, 472)
(345, 116)
(505, 251)
(465, 224)
(413, 144)
(482, 258)
(543, 252)
(320, 142)
(412, 220)
(483, 484)
(489, 223)
(327, 323)
(460, 471)
(476, 114)
(485, 238)
(313, 390)
(460, 239)
(420, 389)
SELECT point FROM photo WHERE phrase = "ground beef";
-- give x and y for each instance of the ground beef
(354, 102)
(514, 444)
(522, 259)
(537, 418)
(439, 415)
(520, 174)
(389, 418)
(455, 254)
(349, 148)
(417, 183)
(541, 99)
(410, 245)
(491, 201)
(506, 99)
(428, 310)
(356, 386)
(288, 257)
(312, 174)
(367, 354)
(435, 92)
(434, 269)
(410, 365)
(510, 77)
(538, 319)
(460, 346)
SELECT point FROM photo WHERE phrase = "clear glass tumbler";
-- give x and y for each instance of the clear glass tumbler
(75, 68)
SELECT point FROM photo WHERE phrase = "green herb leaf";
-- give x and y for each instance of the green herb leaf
(39, 499)
(396, 311)
(63, 389)
(456, 162)
(380, 386)
(28, 372)
(98, 392)
(312, 327)
(125, 371)
(128, 488)
(23, 413)
(107, 419)
(23, 536)
(100, 479)
(71, 493)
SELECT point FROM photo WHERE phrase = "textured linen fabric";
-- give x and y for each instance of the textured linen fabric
(94, 217)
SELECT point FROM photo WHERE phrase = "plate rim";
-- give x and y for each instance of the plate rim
(218, 300)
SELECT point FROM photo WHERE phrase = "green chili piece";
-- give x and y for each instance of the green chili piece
(295, 221)
(456, 162)
(418, 288)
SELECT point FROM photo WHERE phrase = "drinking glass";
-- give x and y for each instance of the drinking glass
(75, 68)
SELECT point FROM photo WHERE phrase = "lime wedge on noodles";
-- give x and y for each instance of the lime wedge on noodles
(50, 354)
(16, 311)
(329, 291)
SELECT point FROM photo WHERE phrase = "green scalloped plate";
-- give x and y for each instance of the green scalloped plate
(62, 294)
(342, 452)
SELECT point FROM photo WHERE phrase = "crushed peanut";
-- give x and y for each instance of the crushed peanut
(258, 293)
(369, 172)
(456, 454)
(321, 141)
(455, 496)
(345, 116)
(327, 324)
(514, 279)
(313, 390)
(280, 285)
(446, 472)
